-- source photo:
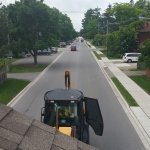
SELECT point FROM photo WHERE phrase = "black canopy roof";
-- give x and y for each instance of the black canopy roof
(63, 94)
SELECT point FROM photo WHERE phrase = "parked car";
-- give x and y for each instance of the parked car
(44, 52)
(62, 44)
(73, 48)
(130, 57)
(54, 49)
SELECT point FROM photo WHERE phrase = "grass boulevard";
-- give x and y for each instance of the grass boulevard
(142, 81)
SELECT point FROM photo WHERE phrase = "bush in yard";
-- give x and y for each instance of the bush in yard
(145, 50)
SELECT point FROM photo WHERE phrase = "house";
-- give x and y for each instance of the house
(144, 33)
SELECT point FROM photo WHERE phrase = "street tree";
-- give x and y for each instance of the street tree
(145, 57)
(4, 31)
(98, 39)
(37, 26)
(67, 31)
(125, 12)
(91, 20)
(126, 16)
(92, 28)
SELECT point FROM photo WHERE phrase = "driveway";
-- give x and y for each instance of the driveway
(128, 68)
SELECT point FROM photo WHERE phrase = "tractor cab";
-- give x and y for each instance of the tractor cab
(71, 113)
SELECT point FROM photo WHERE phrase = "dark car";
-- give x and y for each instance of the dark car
(44, 52)
(62, 44)
(54, 49)
(73, 48)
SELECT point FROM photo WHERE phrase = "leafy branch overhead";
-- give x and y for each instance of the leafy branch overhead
(32, 25)
(119, 24)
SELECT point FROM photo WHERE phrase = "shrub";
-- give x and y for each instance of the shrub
(145, 50)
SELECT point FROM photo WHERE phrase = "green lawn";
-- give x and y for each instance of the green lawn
(97, 55)
(129, 99)
(142, 81)
(27, 68)
(10, 88)
(112, 56)
(21, 68)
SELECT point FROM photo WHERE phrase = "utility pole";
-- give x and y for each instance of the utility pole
(107, 28)
(98, 32)
(107, 38)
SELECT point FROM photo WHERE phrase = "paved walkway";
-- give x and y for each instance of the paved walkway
(128, 68)
(142, 113)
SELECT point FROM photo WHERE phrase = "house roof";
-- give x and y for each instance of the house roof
(20, 132)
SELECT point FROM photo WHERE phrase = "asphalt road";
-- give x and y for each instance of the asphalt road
(119, 134)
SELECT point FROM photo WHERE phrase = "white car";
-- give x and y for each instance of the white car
(130, 57)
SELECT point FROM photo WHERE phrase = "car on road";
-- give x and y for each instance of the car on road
(131, 57)
(82, 40)
(73, 47)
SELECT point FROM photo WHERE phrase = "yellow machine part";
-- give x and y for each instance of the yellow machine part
(67, 75)
(65, 130)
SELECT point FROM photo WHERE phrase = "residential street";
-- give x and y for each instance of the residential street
(87, 77)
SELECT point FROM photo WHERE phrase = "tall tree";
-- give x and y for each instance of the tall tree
(4, 31)
(124, 12)
(66, 28)
(37, 26)
(90, 16)
(141, 4)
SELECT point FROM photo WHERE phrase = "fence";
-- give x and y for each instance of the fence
(3, 75)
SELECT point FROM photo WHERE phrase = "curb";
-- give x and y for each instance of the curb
(92, 47)
(18, 96)
(129, 112)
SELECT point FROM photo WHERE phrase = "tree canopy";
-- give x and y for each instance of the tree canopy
(120, 23)
(32, 25)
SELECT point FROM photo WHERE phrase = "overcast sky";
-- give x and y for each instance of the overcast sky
(75, 9)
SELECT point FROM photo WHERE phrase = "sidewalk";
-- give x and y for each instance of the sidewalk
(142, 113)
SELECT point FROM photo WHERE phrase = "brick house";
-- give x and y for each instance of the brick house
(144, 33)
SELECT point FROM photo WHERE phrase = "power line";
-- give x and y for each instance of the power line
(73, 11)
(76, 11)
